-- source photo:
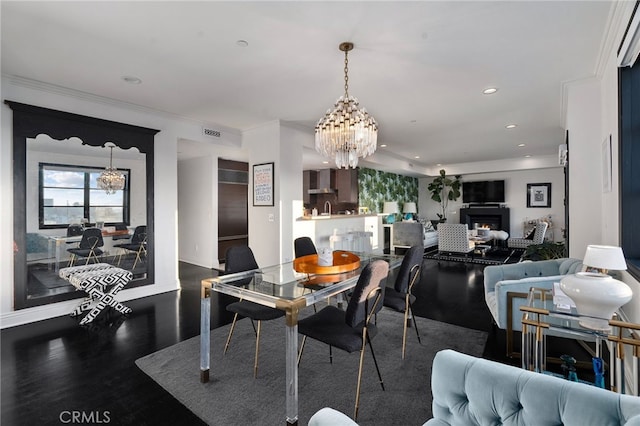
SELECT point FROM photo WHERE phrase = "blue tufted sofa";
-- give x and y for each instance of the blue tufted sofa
(519, 278)
(475, 391)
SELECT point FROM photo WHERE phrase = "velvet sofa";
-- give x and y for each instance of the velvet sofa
(475, 391)
(499, 280)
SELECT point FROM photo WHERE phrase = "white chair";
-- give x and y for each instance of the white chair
(523, 243)
(454, 238)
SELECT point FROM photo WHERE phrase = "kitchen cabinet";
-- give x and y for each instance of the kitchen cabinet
(309, 181)
(347, 185)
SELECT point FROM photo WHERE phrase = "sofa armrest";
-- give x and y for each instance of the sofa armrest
(517, 286)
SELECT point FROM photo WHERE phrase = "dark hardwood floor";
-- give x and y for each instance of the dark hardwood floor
(55, 368)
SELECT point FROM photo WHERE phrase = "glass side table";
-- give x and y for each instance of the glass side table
(541, 317)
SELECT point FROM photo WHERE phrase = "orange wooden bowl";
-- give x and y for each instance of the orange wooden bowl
(343, 261)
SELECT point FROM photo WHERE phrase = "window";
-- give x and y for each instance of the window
(69, 194)
(629, 82)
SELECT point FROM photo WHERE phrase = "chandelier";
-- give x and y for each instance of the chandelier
(111, 180)
(347, 132)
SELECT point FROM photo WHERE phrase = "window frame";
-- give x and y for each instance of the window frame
(629, 165)
(87, 170)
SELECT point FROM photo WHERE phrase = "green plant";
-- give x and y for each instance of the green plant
(444, 189)
(545, 251)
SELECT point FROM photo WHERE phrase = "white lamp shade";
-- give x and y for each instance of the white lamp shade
(604, 257)
(390, 207)
(409, 208)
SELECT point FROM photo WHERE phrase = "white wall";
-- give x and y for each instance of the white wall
(165, 181)
(515, 198)
(592, 117)
(271, 228)
(197, 207)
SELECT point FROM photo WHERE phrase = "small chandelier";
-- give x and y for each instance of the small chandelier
(111, 180)
(348, 132)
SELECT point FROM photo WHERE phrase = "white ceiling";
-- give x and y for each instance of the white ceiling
(418, 67)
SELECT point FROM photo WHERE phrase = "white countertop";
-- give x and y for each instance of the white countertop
(336, 216)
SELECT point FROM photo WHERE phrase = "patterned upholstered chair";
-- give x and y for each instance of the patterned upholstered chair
(454, 238)
(537, 238)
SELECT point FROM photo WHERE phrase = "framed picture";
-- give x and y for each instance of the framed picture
(606, 164)
(263, 184)
(538, 195)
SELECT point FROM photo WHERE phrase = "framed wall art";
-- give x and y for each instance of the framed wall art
(539, 195)
(263, 184)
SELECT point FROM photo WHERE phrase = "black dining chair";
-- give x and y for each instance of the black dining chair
(89, 246)
(240, 259)
(399, 297)
(137, 244)
(304, 246)
(351, 330)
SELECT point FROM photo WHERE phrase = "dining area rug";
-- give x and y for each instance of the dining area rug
(234, 397)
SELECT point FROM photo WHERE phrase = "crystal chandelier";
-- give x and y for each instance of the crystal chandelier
(111, 180)
(348, 132)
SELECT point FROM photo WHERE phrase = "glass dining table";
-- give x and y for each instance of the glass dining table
(281, 287)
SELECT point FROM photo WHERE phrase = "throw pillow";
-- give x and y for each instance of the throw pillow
(428, 226)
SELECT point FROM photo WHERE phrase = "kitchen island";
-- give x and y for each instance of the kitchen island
(355, 232)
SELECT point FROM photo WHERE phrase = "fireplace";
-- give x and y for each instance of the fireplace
(494, 218)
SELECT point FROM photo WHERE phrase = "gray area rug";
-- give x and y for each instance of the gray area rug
(234, 397)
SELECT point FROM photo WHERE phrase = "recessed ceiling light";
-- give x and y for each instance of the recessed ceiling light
(417, 156)
(325, 162)
(242, 43)
(384, 145)
(439, 164)
(521, 145)
(413, 121)
(490, 90)
(527, 156)
(511, 126)
(131, 79)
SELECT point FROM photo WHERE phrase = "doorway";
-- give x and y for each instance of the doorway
(233, 193)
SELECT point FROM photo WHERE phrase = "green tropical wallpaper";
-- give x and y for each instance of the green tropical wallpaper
(376, 187)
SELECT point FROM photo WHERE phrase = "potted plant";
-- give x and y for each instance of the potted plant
(444, 189)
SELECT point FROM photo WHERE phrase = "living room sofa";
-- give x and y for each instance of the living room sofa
(409, 234)
(519, 278)
(474, 391)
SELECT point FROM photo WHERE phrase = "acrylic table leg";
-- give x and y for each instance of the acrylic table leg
(291, 373)
(205, 333)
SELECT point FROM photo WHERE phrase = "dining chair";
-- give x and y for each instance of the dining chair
(137, 244)
(240, 259)
(399, 297)
(304, 246)
(351, 330)
(89, 246)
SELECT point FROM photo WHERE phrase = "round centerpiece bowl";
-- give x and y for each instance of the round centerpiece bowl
(597, 296)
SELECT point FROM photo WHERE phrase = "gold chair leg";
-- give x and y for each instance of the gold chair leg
(364, 343)
(304, 340)
(255, 362)
(404, 330)
(233, 324)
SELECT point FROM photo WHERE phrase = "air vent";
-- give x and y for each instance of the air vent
(210, 132)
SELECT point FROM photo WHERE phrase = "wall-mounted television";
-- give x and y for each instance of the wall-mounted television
(483, 192)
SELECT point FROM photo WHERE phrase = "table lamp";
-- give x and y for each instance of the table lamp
(390, 208)
(409, 209)
(596, 294)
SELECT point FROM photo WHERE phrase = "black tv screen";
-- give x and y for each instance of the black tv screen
(481, 192)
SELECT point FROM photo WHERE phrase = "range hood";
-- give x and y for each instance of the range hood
(322, 191)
